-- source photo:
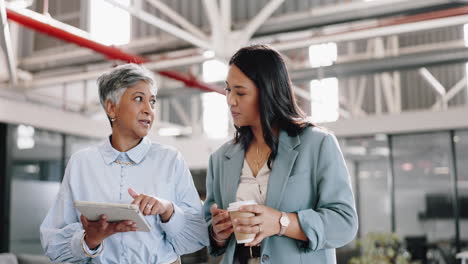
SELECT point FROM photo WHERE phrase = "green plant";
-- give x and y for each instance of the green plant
(381, 248)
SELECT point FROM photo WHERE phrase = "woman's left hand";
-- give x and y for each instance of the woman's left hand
(150, 205)
(265, 223)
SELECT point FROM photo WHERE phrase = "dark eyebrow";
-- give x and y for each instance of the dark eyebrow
(236, 86)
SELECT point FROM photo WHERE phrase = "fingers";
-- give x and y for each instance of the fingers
(103, 222)
(260, 235)
(145, 202)
(221, 216)
(155, 209)
(222, 227)
(214, 210)
(151, 206)
(84, 221)
(258, 239)
(226, 233)
(138, 200)
(247, 221)
(123, 226)
(249, 229)
(254, 208)
(133, 193)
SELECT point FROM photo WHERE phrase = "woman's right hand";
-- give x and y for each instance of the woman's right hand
(97, 231)
(221, 225)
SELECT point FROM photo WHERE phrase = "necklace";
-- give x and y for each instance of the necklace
(124, 163)
(260, 159)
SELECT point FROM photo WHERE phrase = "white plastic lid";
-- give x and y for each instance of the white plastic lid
(236, 205)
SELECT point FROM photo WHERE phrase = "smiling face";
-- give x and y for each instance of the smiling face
(134, 114)
(242, 98)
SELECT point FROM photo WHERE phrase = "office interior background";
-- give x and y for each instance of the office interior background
(388, 77)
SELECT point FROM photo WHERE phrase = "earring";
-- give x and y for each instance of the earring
(112, 119)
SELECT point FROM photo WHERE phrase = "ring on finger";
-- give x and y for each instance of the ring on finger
(149, 206)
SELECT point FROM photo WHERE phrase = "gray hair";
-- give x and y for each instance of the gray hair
(113, 84)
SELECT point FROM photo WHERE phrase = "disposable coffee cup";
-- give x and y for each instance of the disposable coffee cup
(234, 213)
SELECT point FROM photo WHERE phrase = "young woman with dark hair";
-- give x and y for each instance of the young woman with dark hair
(294, 170)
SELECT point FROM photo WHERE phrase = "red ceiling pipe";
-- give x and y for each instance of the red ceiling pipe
(111, 52)
(191, 81)
(457, 11)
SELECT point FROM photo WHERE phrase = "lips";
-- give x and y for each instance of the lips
(234, 114)
(145, 122)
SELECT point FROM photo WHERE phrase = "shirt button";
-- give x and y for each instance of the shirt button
(265, 258)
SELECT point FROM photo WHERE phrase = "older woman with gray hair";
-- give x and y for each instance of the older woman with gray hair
(126, 168)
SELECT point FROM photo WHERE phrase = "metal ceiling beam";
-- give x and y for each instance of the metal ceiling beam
(409, 122)
(163, 25)
(260, 18)
(57, 29)
(214, 17)
(5, 39)
(178, 19)
(403, 62)
(384, 27)
(350, 33)
(65, 32)
(432, 81)
(349, 12)
(226, 17)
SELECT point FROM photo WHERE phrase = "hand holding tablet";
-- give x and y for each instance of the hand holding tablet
(101, 220)
(114, 212)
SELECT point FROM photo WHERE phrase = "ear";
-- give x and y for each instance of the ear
(111, 109)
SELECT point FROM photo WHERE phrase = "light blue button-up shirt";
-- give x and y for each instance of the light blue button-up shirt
(93, 175)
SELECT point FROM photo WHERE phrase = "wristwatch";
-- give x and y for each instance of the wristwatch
(284, 223)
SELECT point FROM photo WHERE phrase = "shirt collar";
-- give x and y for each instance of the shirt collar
(136, 154)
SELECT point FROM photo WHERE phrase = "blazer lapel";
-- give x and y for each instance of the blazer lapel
(233, 163)
(281, 169)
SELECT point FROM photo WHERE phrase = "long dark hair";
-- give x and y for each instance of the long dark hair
(277, 104)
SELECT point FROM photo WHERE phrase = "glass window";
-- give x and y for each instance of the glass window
(215, 115)
(367, 158)
(423, 186)
(214, 71)
(38, 161)
(461, 147)
(322, 54)
(114, 27)
(36, 170)
(75, 143)
(324, 103)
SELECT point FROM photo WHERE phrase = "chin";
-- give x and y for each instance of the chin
(142, 134)
(241, 124)
(238, 124)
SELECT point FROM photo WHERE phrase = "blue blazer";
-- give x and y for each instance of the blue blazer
(308, 177)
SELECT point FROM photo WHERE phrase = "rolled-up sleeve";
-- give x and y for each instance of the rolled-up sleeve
(186, 230)
(61, 231)
(333, 223)
(213, 249)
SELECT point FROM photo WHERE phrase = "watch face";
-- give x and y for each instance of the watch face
(284, 221)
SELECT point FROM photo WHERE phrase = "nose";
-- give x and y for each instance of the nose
(231, 100)
(148, 108)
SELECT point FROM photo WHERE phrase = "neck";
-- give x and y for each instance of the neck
(123, 143)
(258, 135)
(258, 138)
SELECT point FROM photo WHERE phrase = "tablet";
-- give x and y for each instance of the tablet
(115, 212)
